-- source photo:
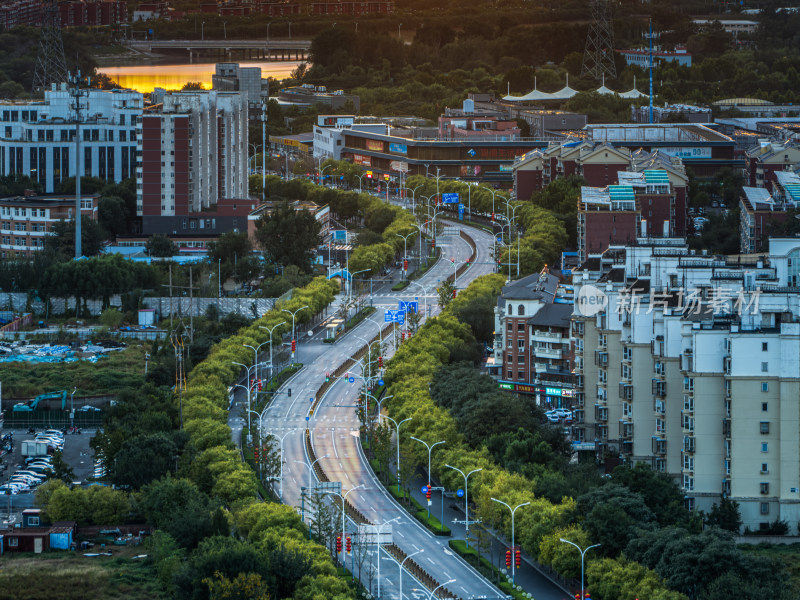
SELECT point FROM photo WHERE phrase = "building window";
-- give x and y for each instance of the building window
(764, 487)
(520, 375)
(764, 386)
(33, 521)
(764, 346)
(521, 327)
(521, 345)
(509, 375)
(510, 326)
(765, 508)
(764, 468)
(764, 427)
(764, 406)
(764, 367)
(521, 310)
(13, 542)
(764, 447)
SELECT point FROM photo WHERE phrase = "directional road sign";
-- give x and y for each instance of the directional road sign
(394, 316)
(352, 380)
(380, 381)
(407, 306)
(450, 198)
(460, 493)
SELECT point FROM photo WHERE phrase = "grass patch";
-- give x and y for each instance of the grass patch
(111, 374)
(71, 576)
(358, 317)
(485, 568)
(400, 285)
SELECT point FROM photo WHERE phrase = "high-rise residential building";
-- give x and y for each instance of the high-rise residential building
(532, 352)
(193, 153)
(691, 363)
(230, 77)
(37, 138)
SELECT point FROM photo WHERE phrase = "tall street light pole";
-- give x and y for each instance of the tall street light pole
(264, 142)
(405, 251)
(430, 448)
(294, 339)
(401, 569)
(397, 433)
(513, 512)
(583, 553)
(344, 501)
(378, 550)
(433, 593)
(280, 473)
(247, 387)
(466, 496)
(270, 329)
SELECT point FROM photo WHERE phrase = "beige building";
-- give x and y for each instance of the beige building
(693, 367)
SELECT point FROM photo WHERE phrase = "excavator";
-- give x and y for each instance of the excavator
(33, 404)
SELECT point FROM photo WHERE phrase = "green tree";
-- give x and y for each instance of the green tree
(93, 235)
(288, 236)
(234, 252)
(61, 468)
(112, 318)
(160, 245)
(177, 507)
(143, 458)
(445, 291)
(112, 214)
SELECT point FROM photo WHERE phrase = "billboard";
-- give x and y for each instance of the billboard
(450, 198)
(398, 148)
(399, 165)
(360, 159)
(470, 170)
(375, 145)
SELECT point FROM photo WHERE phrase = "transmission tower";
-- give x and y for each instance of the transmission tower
(598, 58)
(51, 66)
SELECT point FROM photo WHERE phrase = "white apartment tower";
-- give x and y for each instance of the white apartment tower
(693, 366)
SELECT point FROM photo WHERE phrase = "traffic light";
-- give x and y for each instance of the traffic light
(290, 392)
(338, 544)
(428, 493)
(454, 293)
(349, 545)
(255, 454)
(294, 345)
(380, 362)
(260, 385)
(433, 244)
(518, 559)
(327, 377)
(402, 336)
(405, 265)
(508, 559)
(467, 263)
(492, 216)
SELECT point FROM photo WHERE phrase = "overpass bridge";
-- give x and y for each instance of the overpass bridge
(227, 50)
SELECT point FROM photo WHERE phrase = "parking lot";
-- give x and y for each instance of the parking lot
(76, 453)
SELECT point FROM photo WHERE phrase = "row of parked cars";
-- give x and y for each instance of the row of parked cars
(37, 468)
(559, 415)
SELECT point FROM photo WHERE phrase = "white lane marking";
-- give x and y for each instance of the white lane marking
(333, 441)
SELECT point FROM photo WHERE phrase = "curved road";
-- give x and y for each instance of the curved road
(334, 433)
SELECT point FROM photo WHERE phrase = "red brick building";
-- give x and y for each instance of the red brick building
(764, 160)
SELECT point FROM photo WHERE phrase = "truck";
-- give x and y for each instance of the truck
(34, 448)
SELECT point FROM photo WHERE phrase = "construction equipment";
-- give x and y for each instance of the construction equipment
(33, 404)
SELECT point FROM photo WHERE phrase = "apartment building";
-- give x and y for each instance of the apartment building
(691, 363)
(766, 159)
(231, 77)
(650, 203)
(193, 153)
(27, 220)
(532, 353)
(37, 138)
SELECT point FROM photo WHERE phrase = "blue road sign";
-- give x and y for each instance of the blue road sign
(380, 381)
(460, 212)
(308, 418)
(311, 399)
(394, 316)
(424, 489)
(460, 493)
(450, 198)
(352, 380)
(407, 306)
(471, 152)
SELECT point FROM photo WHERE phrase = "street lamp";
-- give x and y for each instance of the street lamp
(466, 496)
(294, 339)
(350, 290)
(344, 500)
(360, 180)
(378, 550)
(268, 24)
(433, 593)
(405, 250)
(398, 37)
(280, 475)
(430, 448)
(225, 29)
(202, 30)
(310, 468)
(513, 512)
(397, 431)
(424, 294)
(270, 329)
(413, 194)
(322, 171)
(247, 387)
(583, 553)
(401, 569)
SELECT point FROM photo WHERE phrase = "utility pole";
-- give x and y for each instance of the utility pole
(264, 147)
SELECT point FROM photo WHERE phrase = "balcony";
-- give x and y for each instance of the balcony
(659, 464)
(626, 448)
(726, 427)
(659, 446)
(580, 398)
(659, 407)
(547, 337)
(659, 388)
(626, 392)
(550, 353)
(601, 359)
(688, 444)
(602, 432)
(625, 430)
(600, 414)
(580, 415)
